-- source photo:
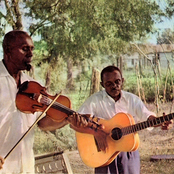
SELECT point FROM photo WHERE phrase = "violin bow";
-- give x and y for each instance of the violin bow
(32, 126)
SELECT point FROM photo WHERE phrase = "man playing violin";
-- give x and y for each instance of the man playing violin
(17, 55)
(106, 104)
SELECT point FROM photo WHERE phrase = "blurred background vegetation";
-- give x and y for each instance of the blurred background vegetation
(74, 37)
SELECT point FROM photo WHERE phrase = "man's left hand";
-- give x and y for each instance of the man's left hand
(77, 120)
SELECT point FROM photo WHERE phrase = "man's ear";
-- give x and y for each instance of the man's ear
(7, 49)
(122, 80)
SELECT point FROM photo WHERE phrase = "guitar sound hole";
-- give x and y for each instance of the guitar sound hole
(116, 133)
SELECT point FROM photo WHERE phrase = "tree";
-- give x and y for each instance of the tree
(169, 8)
(167, 37)
(75, 30)
(11, 15)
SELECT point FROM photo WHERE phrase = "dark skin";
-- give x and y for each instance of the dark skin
(17, 56)
(113, 82)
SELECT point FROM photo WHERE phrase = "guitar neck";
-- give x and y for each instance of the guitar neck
(146, 124)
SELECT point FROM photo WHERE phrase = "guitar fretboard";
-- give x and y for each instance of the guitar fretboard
(146, 124)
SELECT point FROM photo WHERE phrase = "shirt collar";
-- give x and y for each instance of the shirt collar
(5, 73)
(3, 70)
(123, 97)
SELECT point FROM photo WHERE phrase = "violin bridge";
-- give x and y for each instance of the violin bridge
(39, 98)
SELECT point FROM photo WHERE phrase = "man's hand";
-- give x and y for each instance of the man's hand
(77, 120)
(80, 124)
(164, 126)
(167, 125)
(1, 162)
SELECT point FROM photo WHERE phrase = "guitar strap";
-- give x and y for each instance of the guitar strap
(98, 149)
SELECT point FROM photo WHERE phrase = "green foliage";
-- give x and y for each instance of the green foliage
(130, 83)
(59, 140)
(149, 89)
(67, 136)
(169, 8)
(167, 37)
(79, 29)
(148, 86)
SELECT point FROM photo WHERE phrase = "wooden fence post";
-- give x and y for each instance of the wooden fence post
(95, 81)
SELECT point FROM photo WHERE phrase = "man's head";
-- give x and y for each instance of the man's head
(112, 81)
(18, 49)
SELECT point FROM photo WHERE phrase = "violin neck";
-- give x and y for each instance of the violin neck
(62, 108)
(58, 106)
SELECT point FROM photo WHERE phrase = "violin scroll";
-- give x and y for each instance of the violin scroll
(32, 97)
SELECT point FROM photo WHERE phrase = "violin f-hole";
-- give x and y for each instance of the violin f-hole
(35, 106)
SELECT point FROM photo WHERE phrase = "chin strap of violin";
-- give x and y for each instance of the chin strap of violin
(32, 125)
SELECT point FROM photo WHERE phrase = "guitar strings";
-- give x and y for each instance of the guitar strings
(146, 124)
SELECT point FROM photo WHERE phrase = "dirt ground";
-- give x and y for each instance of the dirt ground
(77, 165)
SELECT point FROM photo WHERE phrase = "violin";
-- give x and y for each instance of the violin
(32, 97)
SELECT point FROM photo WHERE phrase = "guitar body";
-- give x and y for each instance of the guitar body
(88, 149)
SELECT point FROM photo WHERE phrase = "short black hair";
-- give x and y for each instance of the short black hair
(110, 68)
(12, 37)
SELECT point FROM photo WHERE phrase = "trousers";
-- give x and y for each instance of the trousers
(124, 163)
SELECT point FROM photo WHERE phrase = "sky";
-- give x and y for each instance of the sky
(161, 27)
(167, 23)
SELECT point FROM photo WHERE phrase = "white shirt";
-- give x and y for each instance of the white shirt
(102, 105)
(13, 124)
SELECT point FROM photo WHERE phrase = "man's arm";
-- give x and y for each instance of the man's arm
(48, 124)
(79, 124)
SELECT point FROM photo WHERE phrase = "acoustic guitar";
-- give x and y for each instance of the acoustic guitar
(122, 137)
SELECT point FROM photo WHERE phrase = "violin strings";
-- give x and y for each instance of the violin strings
(47, 100)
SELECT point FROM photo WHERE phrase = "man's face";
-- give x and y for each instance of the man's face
(112, 82)
(21, 52)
